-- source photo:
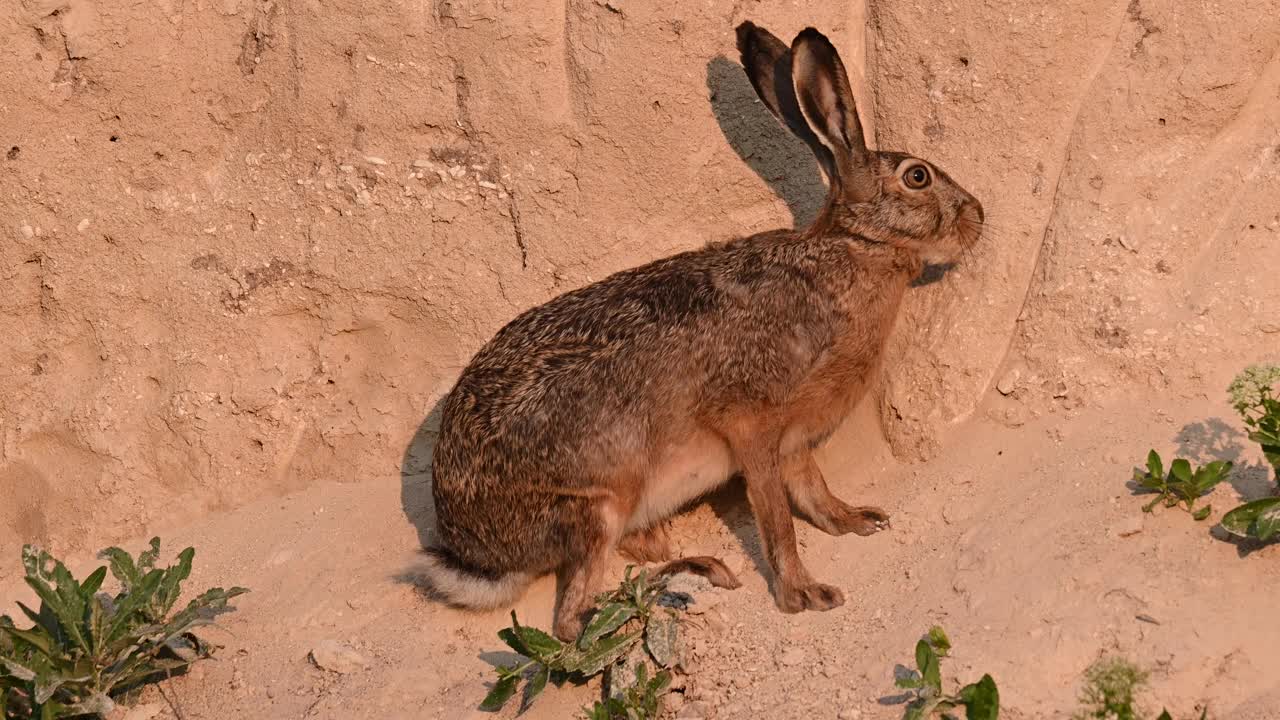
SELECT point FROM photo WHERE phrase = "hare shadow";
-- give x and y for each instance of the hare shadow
(781, 159)
(415, 475)
(730, 506)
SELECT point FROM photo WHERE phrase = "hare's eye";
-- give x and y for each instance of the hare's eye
(916, 177)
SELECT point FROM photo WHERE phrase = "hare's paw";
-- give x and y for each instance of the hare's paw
(813, 596)
(865, 520)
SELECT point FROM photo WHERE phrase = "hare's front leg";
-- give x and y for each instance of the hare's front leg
(793, 587)
(811, 496)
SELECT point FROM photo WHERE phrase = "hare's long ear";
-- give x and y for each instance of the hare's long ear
(767, 61)
(826, 100)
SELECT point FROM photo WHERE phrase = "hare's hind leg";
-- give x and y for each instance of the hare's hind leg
(650, 545)
(653, 545)
(713, 569)
(811, 496)
(590, 544)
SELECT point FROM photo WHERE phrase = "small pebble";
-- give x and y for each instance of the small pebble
(1008, 383)
(1128, 526)
(794, 656)
(333, 656)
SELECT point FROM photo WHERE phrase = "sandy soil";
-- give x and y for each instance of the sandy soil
(1025, 543)
(248, 245)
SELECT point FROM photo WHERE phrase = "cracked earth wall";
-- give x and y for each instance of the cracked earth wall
(248, 244)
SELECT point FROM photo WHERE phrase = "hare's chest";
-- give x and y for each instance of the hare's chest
(830, 394)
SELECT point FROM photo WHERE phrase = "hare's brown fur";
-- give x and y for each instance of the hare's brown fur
(594, 417)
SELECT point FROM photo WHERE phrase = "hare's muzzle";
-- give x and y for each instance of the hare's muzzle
(969, 222)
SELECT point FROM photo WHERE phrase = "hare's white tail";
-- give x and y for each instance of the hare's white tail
(452, 581)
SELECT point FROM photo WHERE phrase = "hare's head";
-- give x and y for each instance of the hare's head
(884, 197)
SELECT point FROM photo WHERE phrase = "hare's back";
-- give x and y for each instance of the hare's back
(633, 354)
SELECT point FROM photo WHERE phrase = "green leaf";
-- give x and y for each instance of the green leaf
(660, 682)
(930, 670)
(54, 711)
(1155, 467)
(508, 636)
(171, 586)
(1181, 469)
(606, 620)
(601, 655)
(122, 567)
(18, 670)
(147, 560)
(662, 639)
(939, 640)
(538, 643)
(1210, 475)
(1202, 513)
(68, 618)
(1164, 715)
(915, 711)
(92, 583)
(500, 694)
(122, 619)
(39, 641)
(981, 700)
(1259, 519)
(535, 686)
(909, 682)
(45, 687)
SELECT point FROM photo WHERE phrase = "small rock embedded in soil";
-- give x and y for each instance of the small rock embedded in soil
(794, 656)
(1127, 527)
(333, 656)
(1009, 382)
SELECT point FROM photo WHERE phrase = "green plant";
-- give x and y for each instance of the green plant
(1181, 486)
(626, 616)
(1110, 686)
(981, 700)
(87, 646)
(641, 701)
(1253, 396)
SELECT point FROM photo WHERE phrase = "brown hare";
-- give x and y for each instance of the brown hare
(588, 421)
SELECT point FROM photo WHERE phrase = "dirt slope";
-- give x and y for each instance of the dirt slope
(1025, 543)
(248, 244)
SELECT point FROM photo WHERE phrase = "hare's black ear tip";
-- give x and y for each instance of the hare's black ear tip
(810, 34)
(746, 32)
